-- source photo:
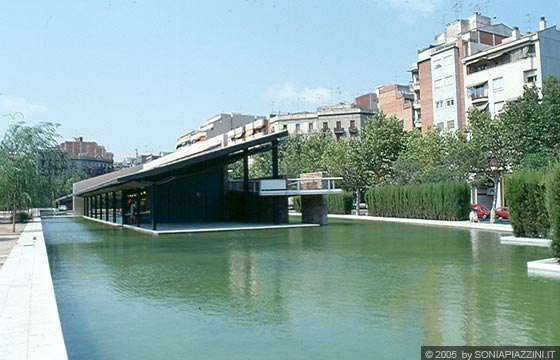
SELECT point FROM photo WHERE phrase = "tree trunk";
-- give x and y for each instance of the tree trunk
(494, 200)
(14, 215)
(358, 202)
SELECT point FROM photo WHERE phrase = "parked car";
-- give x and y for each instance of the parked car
(502, 212)
(481, 211)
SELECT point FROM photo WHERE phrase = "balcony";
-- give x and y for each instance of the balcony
(339, 130)
(352, 130)
(417, 104)
(479, 96)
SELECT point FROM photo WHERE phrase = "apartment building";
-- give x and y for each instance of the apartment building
(217, 125)
(341, 120)
(396, 100)
(498, 74)
(87, 156)
(438, 77)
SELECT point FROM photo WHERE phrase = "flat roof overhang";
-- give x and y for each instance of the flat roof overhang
(189, 165)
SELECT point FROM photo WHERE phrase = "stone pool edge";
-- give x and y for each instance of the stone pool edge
(29, 321)
(439, 223)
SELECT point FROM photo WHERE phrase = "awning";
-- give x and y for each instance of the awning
(477, 84)
(481, 106)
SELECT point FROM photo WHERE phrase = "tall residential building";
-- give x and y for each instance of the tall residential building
(498, 74)
(438, 78)
(341, 120)
(396, 100)
(87, 156)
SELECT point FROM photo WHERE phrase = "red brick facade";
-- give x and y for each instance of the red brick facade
(426, 95)
(393, 103)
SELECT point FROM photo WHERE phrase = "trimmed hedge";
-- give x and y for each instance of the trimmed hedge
(525, 191)
(553, 205)
(449, 200)
(336, 203)
(339, 203)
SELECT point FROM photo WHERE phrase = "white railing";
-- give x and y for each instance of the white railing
(319, 183)
(289, 187)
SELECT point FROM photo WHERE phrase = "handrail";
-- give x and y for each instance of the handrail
(298, 185)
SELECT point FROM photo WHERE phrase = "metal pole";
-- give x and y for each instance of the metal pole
(246, 171)
(106, 206)
(114, 206)
(137, 214)
(275, 159)
(123, 202)
(153, 193)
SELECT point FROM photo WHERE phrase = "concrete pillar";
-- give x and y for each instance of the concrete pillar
(314, 209)
(106, 206)
(153, 195)
(114, 197)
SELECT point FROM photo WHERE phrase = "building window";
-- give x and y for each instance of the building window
(352, 123)
(478, 91)
(439, 126)
(498, 84)
(438, 83)
(297, 127)
(338, 124)
(530, 76)
(439, 104)
(310, 126)
(498, 107)
(451, 124)
(448, 80)
(325, 125)
(450, 102)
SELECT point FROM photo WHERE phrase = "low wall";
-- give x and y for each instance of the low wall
(29, 322)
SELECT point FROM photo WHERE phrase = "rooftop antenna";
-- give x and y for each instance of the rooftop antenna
(458, 6)
(529, 21)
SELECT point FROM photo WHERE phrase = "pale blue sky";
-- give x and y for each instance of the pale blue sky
(138, 74)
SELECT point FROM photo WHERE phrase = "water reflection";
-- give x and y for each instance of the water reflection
(349, 287)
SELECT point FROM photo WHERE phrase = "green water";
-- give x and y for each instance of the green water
(351, 290)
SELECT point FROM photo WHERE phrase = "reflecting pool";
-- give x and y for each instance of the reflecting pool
(348, 290)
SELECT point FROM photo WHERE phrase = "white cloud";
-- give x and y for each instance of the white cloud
(12, 105)
(424, 6)
(289, 92)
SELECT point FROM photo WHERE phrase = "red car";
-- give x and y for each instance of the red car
(481, 211)
(502, 212)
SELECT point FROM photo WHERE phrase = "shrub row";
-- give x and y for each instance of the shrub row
(336, 203)
(339, 203)
(534, 204)
(525, 192)
(553, 205)
(448, 200)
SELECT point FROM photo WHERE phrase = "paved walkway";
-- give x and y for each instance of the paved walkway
(8, 239)
(29, 322)
(455, 224)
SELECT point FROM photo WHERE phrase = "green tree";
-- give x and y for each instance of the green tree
(487, 154)
(341, 160)
(381, 142)
(532, 128)
(22, 180)
(433, 158)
